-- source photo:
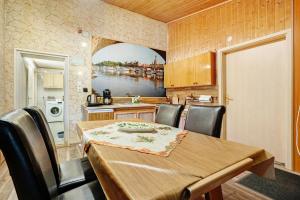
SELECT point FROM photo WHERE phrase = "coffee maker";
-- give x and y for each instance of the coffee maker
(107, 100)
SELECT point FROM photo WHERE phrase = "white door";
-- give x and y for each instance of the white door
(258, 90)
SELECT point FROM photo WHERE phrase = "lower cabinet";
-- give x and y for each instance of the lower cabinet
(97, 114)
(124, 115)
(147, 114)
(100, 116)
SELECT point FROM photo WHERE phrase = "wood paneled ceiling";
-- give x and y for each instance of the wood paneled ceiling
(164, 10)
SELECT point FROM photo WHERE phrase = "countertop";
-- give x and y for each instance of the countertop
(120, 105)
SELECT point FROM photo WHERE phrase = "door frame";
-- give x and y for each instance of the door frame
(221, 73)
(66, 58)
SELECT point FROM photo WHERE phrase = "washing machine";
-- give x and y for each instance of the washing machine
(55, 111)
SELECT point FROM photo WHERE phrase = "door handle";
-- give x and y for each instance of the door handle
(228, 99)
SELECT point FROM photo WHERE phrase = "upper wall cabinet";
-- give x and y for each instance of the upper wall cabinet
(53, 81)
(195, 71)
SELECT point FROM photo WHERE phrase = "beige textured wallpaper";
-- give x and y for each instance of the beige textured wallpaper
(1, 51)
(51, 26)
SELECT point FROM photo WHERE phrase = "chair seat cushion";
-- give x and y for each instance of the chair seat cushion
(88, 191)
(74, 173)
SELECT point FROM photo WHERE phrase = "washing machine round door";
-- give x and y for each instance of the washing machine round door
(55, 111)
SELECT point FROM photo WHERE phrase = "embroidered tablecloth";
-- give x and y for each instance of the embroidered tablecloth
(161, 141)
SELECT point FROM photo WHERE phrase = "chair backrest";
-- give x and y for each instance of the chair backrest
(169, 114)
(26, 156)
(41, 122)
(205, 120)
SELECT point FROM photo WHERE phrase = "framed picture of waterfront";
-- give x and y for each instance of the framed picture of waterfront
(127, 69)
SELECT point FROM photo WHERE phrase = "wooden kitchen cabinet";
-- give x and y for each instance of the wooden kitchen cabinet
(148, 116)
(100, 116)
(205, 69)
(55, 81)
(178, 75)
(47, 81)
(125, 115)
(58, 81)
(195, 71)
(118, 111)
(186, 73)
(145, 114)
(168, 74)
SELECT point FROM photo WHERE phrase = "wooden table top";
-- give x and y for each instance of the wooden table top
(197, 159)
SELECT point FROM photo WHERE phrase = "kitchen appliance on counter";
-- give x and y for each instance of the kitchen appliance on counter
(107, 100)
(92, 100)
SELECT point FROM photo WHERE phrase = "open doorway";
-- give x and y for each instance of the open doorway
(41, 80)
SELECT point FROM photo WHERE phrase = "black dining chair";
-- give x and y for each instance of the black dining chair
(29, 163)
(68, 174)
(169, 114)
(205, 120)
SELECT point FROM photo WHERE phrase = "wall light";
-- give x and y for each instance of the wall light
(84, 44)
(79, 73)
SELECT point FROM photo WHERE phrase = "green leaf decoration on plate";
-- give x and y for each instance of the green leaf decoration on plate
(166, 128)
(113, 138)
(147, 139)
(136, 127)
(100, 133)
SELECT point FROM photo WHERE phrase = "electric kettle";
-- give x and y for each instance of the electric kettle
(91, 99)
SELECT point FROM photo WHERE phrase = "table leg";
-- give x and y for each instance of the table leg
(215, 194)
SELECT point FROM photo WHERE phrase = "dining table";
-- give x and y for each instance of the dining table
(196, 167)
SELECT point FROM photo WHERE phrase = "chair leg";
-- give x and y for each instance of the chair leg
(215, 194)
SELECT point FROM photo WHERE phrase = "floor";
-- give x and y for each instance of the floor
(55, 128)
(231, 190)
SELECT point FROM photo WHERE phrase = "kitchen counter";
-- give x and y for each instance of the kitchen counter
(119, 106)
(119, 111)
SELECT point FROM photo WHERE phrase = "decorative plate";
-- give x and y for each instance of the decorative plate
(136, 127)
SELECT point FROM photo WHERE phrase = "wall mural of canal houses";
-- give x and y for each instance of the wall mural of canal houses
(127, 69)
